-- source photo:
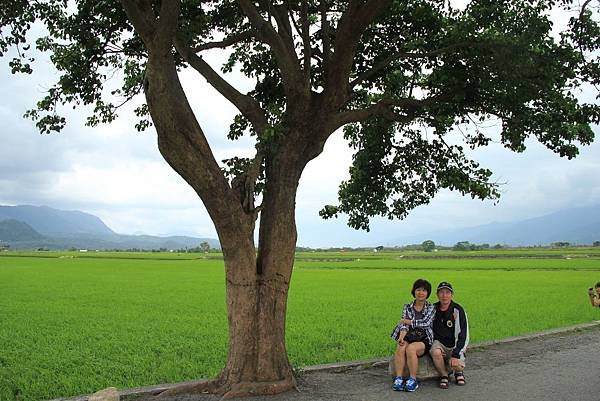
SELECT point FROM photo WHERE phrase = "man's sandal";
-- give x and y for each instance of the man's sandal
(460, 378)
(443, 382)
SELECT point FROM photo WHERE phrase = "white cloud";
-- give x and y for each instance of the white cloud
(322, 176)
(191, 220)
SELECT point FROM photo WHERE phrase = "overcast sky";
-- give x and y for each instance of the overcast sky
(116, 173)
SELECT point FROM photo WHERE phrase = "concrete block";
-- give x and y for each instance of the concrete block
(426, 368)
(109, 394)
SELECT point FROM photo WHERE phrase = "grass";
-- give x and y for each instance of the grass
(513, 252)
(75, 325)
(330, 256)
(172, 256)
(588, 263)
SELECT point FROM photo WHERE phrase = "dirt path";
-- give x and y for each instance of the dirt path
(561, 367)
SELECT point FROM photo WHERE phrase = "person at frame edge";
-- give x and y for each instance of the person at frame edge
(417, 314)
(450, 336)
(594, 294)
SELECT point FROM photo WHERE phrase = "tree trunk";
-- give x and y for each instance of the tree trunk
(257, 298)
(257, 283)
(257, 362)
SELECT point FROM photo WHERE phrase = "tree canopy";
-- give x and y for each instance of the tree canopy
(397, 75)
(428, 245)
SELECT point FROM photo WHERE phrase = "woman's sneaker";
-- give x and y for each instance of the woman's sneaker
(398, 383)
(411, 384)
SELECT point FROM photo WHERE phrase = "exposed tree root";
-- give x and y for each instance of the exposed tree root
(246, 389)
(218, 386)
(213, 386)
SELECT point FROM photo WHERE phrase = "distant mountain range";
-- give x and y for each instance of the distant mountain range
(33, 227)
(576, 226)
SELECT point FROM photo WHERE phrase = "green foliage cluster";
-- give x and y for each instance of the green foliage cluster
(495, 58)
(428, 245)
(73, 325)
(467, 246)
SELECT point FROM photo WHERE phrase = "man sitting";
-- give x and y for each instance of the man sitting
(450, 336)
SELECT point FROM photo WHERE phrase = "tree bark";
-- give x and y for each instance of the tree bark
(257, 362)
(257, 298)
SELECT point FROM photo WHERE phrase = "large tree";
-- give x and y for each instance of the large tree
(397, 76)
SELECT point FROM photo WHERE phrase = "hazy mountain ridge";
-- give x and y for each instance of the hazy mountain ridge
(49, 221)
(15, 230)
(33, 227)
(576, 225)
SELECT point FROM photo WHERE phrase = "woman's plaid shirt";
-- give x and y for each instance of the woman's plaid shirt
(408, 312)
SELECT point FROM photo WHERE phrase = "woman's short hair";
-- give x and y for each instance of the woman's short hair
(597, 285)
(421, 283)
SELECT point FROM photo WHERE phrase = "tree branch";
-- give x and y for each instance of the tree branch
(383, 63)
(359, 115)
(283, 24)
(306, 41)
(157, 33)
(351, 26)
(585, 4)
(284, 29)
(385, 108)
(292, 19)
(246, 104)
(167, 23)
(326, 38)
(141, 16)
(284, 55)
(225, 42)
(246, 182)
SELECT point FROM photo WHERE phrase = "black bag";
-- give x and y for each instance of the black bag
(416, 334)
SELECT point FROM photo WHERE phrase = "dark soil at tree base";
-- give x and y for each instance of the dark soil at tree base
(561, 367)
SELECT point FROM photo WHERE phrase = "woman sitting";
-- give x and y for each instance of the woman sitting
(414, 336)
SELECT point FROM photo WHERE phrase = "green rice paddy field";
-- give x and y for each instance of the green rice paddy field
(74, 323)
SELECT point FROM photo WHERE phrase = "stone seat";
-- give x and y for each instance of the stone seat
(426, 368)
